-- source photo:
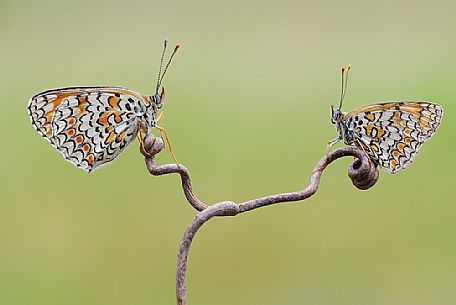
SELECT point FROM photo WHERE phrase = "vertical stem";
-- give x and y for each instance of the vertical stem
(225, 208)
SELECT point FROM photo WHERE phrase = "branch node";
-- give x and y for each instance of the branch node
(225, 208)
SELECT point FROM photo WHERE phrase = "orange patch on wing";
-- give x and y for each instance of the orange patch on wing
(370, 117)
(397, 115)
(408, 140)
(103, 120)
(393, 164)
(71, 132)
(111, 137)
(90, 159)
(121, 136)
(82, 100)
(79, 139)
(368, 129)
(117, 117)
(396, 154)
(113, 101)
(407, 131)
(380, 131)
(401, 146)
(86, 147)
(72, 121)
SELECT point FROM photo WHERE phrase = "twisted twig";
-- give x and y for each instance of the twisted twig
(363, 173)
(153, 146)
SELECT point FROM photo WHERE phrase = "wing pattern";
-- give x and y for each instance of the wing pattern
(90, 126)
(393, 133)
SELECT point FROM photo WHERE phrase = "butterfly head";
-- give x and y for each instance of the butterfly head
(336, 115)
(159, 97)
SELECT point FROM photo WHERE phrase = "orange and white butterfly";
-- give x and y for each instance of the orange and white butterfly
(390, 133)
(91, 126)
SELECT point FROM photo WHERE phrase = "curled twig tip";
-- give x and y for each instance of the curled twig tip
(363, 173)
(152, 146)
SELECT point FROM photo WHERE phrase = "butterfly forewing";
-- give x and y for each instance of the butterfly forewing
(392, 133)
(90, 126)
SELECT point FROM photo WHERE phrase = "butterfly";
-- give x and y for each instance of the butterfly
(390, 133)
(91, 126)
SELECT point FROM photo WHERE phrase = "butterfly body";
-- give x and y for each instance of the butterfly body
(91, 126)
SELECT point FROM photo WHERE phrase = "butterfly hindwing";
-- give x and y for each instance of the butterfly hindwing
(89, 126)
(392, 133)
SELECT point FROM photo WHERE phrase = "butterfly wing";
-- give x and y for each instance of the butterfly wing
(392, 133)
(90, 126)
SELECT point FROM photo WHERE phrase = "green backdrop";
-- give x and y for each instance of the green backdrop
(247, 110)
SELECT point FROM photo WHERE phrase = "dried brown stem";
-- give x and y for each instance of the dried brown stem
(153, 146)
(363, 173)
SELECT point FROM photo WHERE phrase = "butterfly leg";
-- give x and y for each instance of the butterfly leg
(161, 129)
(141, 140)
(160, 119)
(332, 143)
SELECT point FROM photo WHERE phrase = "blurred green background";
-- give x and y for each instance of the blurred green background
(247, 110)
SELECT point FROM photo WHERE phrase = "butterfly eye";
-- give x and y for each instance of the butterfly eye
(159, 99)
(335, 115)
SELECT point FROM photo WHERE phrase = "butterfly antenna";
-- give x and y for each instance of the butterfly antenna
(346, 80)
(169, 61)
(342, 88)
(161, 65)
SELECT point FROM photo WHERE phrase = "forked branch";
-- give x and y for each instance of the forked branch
(363, 173)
